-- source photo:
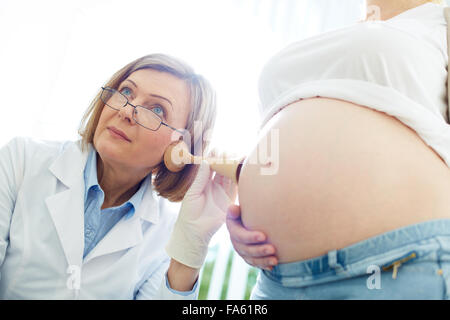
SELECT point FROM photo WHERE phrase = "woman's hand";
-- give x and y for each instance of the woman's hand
(203, 211)
(250, 245)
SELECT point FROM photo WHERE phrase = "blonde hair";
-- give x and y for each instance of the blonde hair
(167, 184)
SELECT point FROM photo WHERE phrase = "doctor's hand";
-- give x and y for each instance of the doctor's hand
(202, 212)
(250, 245)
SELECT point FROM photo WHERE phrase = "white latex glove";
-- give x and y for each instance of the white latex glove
(202, 212)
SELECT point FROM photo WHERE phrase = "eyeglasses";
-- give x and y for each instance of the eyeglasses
(142, 115)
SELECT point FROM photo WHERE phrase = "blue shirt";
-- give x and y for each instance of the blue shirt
(98, 222)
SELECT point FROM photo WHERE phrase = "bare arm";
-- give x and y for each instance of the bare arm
(181, 277)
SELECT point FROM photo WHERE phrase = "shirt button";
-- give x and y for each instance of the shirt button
(89, 232)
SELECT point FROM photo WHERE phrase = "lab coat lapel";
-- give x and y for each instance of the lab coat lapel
(128, 233)
(66, 206)
(125, 234)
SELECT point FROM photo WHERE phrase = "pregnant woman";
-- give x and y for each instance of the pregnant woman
(359, 206)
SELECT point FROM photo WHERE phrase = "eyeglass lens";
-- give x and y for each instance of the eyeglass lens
(143, 116)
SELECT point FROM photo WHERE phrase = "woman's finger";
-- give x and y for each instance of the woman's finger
(262, 263)
(240, 234)
(254, 250)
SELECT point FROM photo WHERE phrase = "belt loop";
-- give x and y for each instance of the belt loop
(333, 262)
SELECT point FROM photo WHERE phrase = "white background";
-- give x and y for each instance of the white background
(55, 55)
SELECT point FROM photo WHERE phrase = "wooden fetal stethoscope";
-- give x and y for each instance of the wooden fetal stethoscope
(177, 155)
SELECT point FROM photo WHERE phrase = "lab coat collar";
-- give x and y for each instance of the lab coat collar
(66, 205)
(149, 207)
(69, 165)
(66, 208)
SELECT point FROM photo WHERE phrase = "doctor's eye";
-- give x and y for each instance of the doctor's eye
(158, 110)
(126, 91)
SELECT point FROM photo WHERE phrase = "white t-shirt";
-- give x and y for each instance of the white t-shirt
(397, 66)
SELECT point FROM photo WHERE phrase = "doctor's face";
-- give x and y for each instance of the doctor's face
(142, 149)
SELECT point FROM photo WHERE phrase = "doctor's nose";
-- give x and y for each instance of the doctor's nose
(127, 112)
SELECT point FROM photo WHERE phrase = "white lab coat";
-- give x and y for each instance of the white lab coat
(42, 232)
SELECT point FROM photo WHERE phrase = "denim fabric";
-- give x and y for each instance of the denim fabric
(412, 262)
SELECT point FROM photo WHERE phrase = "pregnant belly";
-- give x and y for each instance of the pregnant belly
(339, 173)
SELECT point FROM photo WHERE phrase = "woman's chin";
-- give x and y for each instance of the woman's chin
(108, 149)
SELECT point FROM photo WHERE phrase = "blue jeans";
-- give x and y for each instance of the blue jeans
(412, 262)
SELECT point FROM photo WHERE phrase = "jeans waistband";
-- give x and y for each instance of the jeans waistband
(354, 259)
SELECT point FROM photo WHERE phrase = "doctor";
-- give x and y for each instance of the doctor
(89, 219)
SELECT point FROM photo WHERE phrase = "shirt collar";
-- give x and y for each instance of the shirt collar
(90, 178)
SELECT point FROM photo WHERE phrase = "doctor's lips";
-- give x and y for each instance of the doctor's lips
(118, 132)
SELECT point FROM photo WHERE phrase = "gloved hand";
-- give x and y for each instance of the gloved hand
(202, 212)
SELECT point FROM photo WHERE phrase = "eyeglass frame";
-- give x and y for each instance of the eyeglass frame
(128, 103)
